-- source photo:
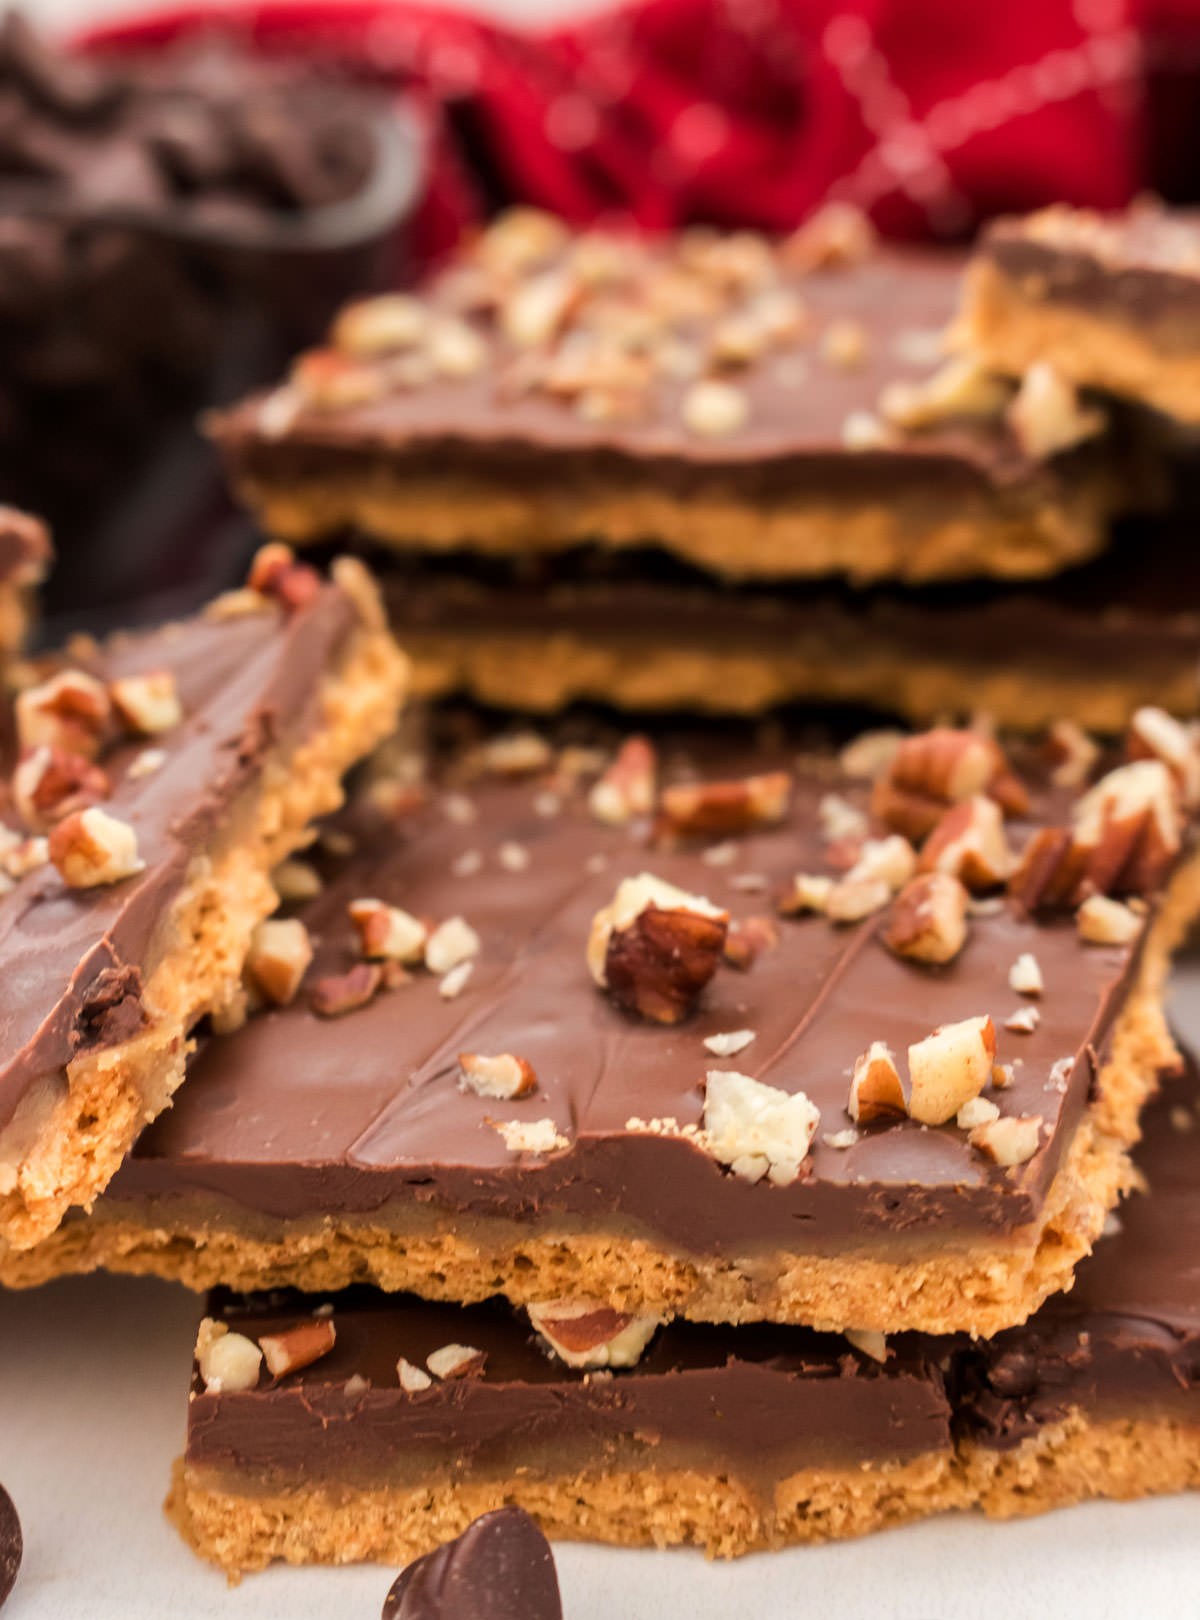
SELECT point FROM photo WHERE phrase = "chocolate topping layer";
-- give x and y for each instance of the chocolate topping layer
(786, 1393)
(299, 1117)
(501, 1568)
(73, 961)
(1125, 1344)
(498, 420)
(1141, 268)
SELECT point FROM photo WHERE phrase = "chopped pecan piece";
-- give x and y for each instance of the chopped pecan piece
(279, 957)
(227, 1362)
(49, 784)
(297, 1347)
(275, 573)
(588, 1333)
(969, 842)
(876, 1091)
(939, 768)
(627, 787)
(412, 1378)
(71, 711)
(386, 933)
(655, 947)
(147, 704)
(1102, 921)
(746, 940)
(339, 993)
(451, 944)
(1046, 414)
(456, 1361)
(852, 899)
(91, 848)
(929, 919)
(1007, 1141)
(1025, 975)
(721, 809)
(1154, 734)
(756, 1129)
(502, 1076)
(948, 1068)
(1071, 753)
(808, 892)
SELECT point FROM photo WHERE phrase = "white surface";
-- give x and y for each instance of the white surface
(93, 1376)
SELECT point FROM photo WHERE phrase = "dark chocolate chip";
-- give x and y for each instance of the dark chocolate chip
(500, 1568)
(11, 1544)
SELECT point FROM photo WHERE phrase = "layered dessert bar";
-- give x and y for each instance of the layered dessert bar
(764, 411)
(367, 1426)
(24, 559)
(1112, 302)
(647, 634)
(155, 780)
(696, 1028)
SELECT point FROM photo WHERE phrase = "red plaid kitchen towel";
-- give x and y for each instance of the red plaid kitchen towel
(931, 114)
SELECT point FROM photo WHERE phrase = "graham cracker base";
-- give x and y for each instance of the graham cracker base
(1082, 1458)
(975, 1287)
(85, 1124)
(543, 673)
(1010, 323)
(316, 1524)
(1016, 532)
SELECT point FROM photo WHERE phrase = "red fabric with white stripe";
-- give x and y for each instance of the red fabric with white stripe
(932, 114)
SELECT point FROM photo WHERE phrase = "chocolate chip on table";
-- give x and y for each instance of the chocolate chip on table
(500, 1568)
(11, 1544)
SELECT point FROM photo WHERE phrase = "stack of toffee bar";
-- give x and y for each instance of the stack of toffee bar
(686, 1131)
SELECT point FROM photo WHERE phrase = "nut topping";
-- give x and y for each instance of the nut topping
(297, 1347)
(71, 711)
(503, 1076)
(90, 848)
(756, 1129)
(227, 1362)
(969, 843)
(1007, 1142)
(1024, 1021)
(721, 809)
(279, 956)
(655, 947)
(386, 933)
(747, 939)
(530, 1136)
(1072, 754)
(929, 919)
(147, 704)
(1101, 921)
(626, 788)
(809, 891)
(520, 753)
(49, 784)
(876, 1091)
(588, 1333)
(852, 899)
(1154, 734)
(340, 993)
(451, 944)
(962, 387)
(948, 1068)
(276, 574)
(453, 1361)
(1046, 414)
(730, 1043)
(1025, 975)
(979, 1111)
(713, 409)
(413, 1379)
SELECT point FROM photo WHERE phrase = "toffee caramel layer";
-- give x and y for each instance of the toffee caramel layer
(525, 435)
(1112, 301)
(319, 1151)
(1094, 643)
(736, 1438)
(100, 985)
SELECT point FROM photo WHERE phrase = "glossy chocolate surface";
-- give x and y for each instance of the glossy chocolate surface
(1126, 1339)
(792, 440)
(73, 962)
(362, 1118)
(1140, 268)
(500, 1568)
(1124, 1344)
